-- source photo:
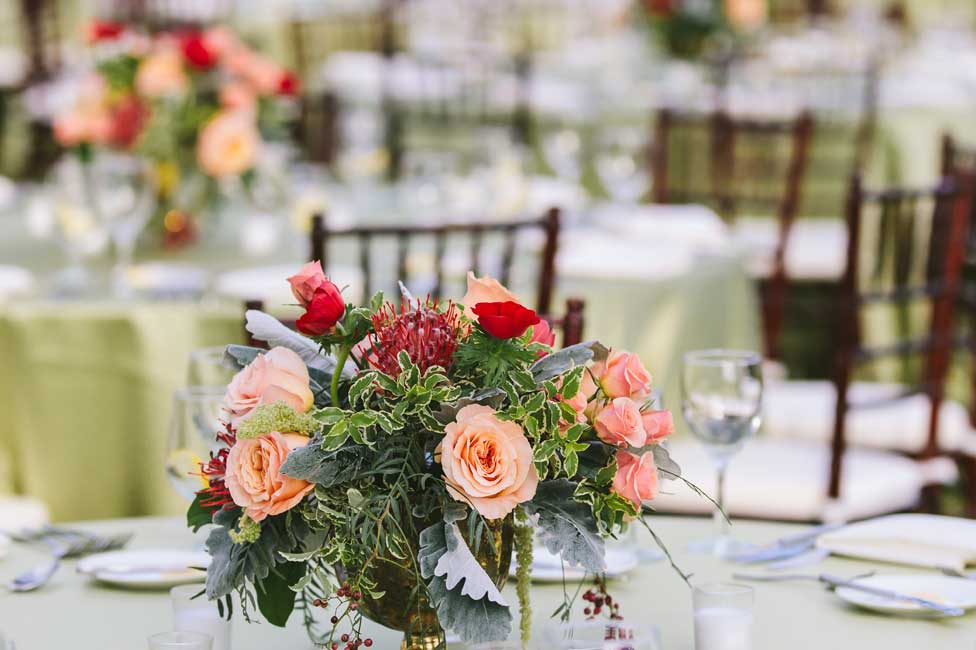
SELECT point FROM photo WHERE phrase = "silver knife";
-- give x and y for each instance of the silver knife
(785, 547)
(834, 582)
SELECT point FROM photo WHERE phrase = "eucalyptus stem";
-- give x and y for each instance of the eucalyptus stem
(337, 373)
(523, 558)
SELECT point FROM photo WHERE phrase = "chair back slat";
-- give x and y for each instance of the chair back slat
(508, 234)
(905, 253)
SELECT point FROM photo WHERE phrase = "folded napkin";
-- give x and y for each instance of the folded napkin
(929, 541)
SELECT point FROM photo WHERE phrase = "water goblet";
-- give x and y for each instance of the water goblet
(194, 424)
(722, 395)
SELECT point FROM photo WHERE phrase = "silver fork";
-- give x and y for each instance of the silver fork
(40, 574)
(955, 573)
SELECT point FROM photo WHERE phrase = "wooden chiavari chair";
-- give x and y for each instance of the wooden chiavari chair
(472, 235)
(854, 446)
(753, 167)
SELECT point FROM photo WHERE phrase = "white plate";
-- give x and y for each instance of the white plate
(546, 566)
(944, 590)
(146, 568)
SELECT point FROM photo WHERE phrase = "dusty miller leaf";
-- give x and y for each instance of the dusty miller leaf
(567, 526)
(269, 329)
(558, 363)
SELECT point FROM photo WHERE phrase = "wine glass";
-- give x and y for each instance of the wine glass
(194, 424)
(563, 151)
(207, 368)
(722, 392)
(620, 164)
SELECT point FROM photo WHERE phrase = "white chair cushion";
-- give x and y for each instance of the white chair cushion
(805, 410)
(787, 480)
(816, 250)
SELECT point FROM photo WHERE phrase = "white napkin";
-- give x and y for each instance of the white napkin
(930, 541)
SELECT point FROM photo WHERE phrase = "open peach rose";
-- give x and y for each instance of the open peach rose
(636, 477)
(228, 144)
(162, 75)
(279, 375)
(254, 477)
(487, 462)
(484, 290)
(623, 375)
(619, 424)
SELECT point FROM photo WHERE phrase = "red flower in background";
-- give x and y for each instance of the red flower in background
(288, 84)
(323, 311)
(103, 30)
(505, 320)
(197, 52)
(127, 119)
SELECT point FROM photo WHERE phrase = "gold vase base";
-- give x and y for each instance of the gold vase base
(432, 642)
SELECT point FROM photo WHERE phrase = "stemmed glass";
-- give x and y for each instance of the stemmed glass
(722, 392)
(563, 151)
(194, 424)
(619, 163)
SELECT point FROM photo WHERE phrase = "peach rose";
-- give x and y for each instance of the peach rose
(484, 290)
(308, 279)
(658, 425)
(746, 14)
(162, 75)
(636, 477)
(228, 144)
(89, 120)
(487, 462)
(238, 96)
(619, 424)
(623, 375)
(254, 479)
(278, 375)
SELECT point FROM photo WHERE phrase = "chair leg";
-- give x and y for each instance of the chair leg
(967, 472)
(931, 499)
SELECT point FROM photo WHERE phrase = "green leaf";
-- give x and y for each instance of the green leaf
(276, 600)
(324, 467)
(571, 382)
(197, 516)
(567, 527)
(570, 462)
(534, 403)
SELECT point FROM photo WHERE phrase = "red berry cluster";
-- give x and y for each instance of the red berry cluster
(353, 642)
(601, 602)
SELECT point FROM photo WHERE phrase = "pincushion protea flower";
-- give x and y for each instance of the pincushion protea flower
(428, 335)
(216, 495)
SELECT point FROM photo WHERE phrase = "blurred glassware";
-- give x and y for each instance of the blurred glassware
(180, 641)
(207, 368)
(563, 151)
(621, 164)
(722, 398)
(192, 613)
(723, 616)
(194, 424)
(597, 634)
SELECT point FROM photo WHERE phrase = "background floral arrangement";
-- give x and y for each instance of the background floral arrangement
(197, 105)
(400, 435)
(685, 28)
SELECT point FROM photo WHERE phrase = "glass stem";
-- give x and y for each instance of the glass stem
(720, 522)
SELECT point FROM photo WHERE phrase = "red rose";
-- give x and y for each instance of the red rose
(505, 320)
(323, 311)
(196, 51)
(128, 118)
(288, 84)
(104, 30)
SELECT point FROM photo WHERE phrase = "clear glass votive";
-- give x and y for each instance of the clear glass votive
(199, 615)
(723, 616)
(602, 635)
(180, 641)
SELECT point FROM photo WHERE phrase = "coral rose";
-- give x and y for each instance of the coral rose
(619, 423)
(238, 96)
(254, 477)
(484, 290)
(323, 312)
(505, 320)
(278, 375)
(162, 75)
(228, 144)
(636, 477)
(487, 462)
(542, 333)
(623, 375)
(658, 425)
(305, 283)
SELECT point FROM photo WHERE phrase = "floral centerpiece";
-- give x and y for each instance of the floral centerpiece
(685, 28)
(388, 463)
(195, 104)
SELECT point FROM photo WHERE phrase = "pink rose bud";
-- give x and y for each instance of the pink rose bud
(657, 424)
(306, 282)
(636, 477)
(619, 424)
(623, 375)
